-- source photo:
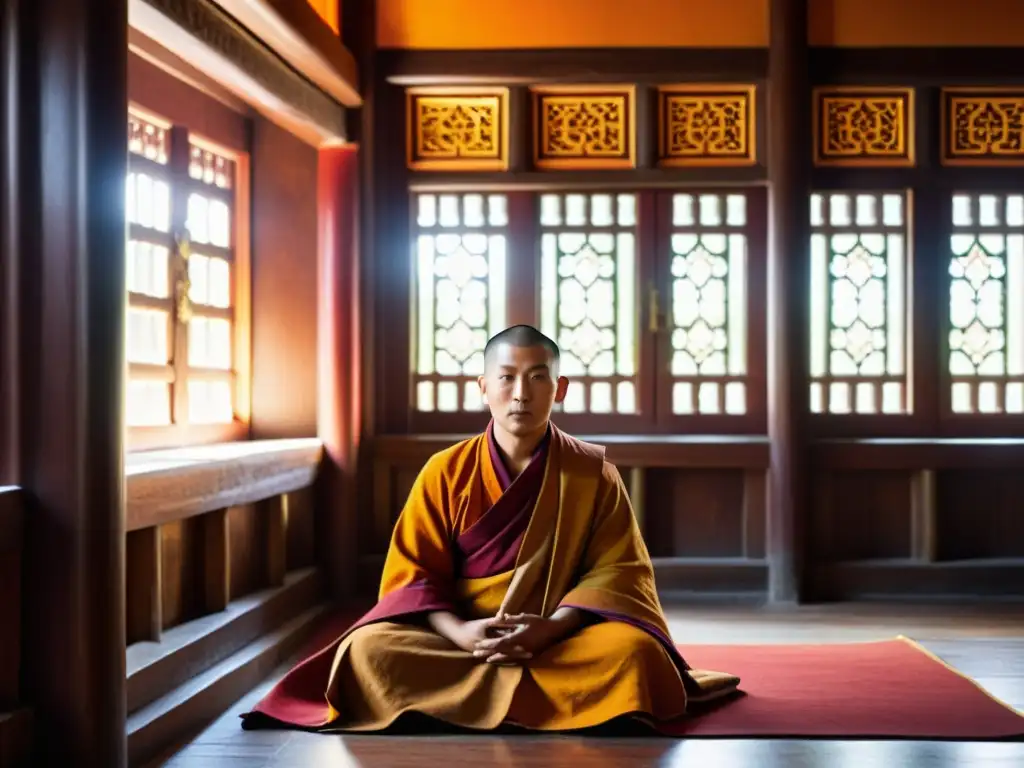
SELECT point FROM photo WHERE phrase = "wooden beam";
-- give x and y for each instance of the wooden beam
(295, 32)
(648, 451)
(73, 61)
(205, 36)
(788, 288)
(573, 65)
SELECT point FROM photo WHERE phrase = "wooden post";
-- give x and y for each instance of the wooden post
(789, 156)
(338, 338)
(69, 75)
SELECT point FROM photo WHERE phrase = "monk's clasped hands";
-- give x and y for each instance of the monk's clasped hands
(516, 638)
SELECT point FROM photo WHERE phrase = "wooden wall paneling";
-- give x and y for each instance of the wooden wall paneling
(301, 535)
(181, 582)
(869, 515)
(978, 514)
(248, 555)
(707, 508)
(284, 284)
(275, 512)
(143, 585)
(216, 565)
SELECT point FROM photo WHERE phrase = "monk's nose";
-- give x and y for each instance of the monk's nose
(522, 391)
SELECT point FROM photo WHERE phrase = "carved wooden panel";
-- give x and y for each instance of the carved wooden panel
(457, 129)
(863, 126)
(861, 515)
(584, 127)
(706, 125)
(978, 514)
(982, 126)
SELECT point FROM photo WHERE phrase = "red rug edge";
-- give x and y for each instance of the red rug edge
(942, 662)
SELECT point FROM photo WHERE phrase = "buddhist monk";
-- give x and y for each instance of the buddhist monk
(517, 589)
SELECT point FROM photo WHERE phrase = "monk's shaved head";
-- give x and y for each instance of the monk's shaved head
(522, 336)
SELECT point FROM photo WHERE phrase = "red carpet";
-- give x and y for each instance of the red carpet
(892, 689)
(888, 689)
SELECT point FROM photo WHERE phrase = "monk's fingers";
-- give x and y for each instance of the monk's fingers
(503, 644)
(507, 658)
(504, 648)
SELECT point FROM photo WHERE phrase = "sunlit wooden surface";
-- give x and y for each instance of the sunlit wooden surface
(984, 642)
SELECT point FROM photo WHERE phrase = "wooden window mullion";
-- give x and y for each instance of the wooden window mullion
(522, 264)
(178, 265)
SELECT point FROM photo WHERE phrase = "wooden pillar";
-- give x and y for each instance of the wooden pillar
(789, 157)
(339, 329)
(68, 130)
(9, 235)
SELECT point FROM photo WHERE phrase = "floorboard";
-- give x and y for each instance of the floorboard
(984, 642)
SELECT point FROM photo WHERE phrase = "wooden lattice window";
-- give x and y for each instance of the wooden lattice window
(185, 344)
(459, 276)
(707, 316)
(858, 332)
(986, 304)
(655, 298)
(588, 297)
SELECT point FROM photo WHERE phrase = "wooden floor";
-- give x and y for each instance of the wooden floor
(986, 643)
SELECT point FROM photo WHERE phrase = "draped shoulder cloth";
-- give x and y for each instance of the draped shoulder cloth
(473, 541)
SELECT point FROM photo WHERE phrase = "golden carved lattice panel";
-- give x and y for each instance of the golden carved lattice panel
(457, 129)
(706, 125)
(983, 126)
(864, 126)
(584, 127)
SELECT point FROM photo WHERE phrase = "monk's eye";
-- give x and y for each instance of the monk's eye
(505, 377)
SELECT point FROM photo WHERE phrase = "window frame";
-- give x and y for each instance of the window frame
(952, 424)
(918, 328)
(523, 279)
(176, 372)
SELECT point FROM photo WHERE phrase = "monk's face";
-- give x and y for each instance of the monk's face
(521, 387)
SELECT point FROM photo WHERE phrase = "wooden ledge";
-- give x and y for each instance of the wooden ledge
(169, 485)
(919, 453)
(647, 451)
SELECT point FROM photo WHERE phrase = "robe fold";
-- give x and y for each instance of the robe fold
(473, 541)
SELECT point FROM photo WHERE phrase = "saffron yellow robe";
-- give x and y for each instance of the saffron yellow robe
(473, 541)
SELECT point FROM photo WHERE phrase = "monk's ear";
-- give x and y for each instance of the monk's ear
(561, 388)
(482, 382)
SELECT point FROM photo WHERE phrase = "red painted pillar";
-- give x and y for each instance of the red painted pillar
(338, 361)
